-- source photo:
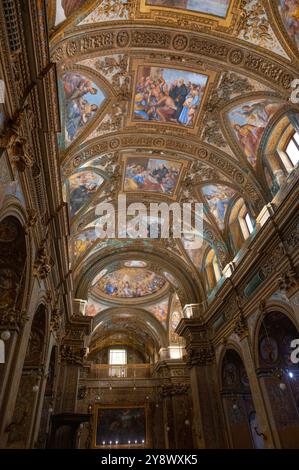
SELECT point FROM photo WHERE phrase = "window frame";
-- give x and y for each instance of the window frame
(293, 140)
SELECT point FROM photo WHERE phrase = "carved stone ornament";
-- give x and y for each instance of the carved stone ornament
(43, 262)
(170, 390)
(31, 220)
(55, 321)
(288, 281)
(202, 356)
(82, 393)
(241, 327)
(72, 355)
(12, 318)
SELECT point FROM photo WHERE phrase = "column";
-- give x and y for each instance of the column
(208, 423)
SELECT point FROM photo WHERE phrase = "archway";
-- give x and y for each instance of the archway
(241, 419)
(279, 375)
(48, 401)
(20, 430)
(13, 279)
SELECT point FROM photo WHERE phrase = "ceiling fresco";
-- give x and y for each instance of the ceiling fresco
(218, 198)
(152, 174)
(80, 101)
(289, 10)
(130, 283)
(168, 95)
(160, 311)
(81, 188)
(249, 121)
(167, 101)
(211, 7)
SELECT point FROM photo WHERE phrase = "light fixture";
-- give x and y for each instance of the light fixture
(235, 406)
(187, 422)
(104, 443)
(291, 375)
(5, 335)
(282, 386)
(35, 388)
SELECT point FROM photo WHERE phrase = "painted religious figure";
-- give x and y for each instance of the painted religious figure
(130, 283)
(249, 121)
(82, 187)
(269, 349)
(168, 95)
(211, 7)
(93, 307)
(81, 99)
(160, 311)
(289, 10)
(65, 8)
(121, 426)
(149, 174)
(218, 198)
(83, 241)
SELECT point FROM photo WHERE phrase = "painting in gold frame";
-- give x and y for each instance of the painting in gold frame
(171, 95)
(220, 12)
(152, 174)
(120, 426)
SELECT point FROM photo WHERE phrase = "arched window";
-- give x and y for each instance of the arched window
(281, 154)
(241, 224)
(212, 269)
(292, 149)
(245, 222)
(240, 414)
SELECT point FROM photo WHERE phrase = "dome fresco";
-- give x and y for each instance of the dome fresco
(130, 283)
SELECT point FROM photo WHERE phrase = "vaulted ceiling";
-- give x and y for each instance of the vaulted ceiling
(165, 100)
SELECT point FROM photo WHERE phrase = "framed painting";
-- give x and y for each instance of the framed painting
(219, 12)
(120, 426)
(144, 174)
(209, 7)
(168, 96)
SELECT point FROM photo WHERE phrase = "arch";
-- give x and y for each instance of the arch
(47, 402)
(190, 290)
(29, 392)
(279, 375)
(240, 414)
(237, 226)
(268, 307)
(12, 207)
(151, 324)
